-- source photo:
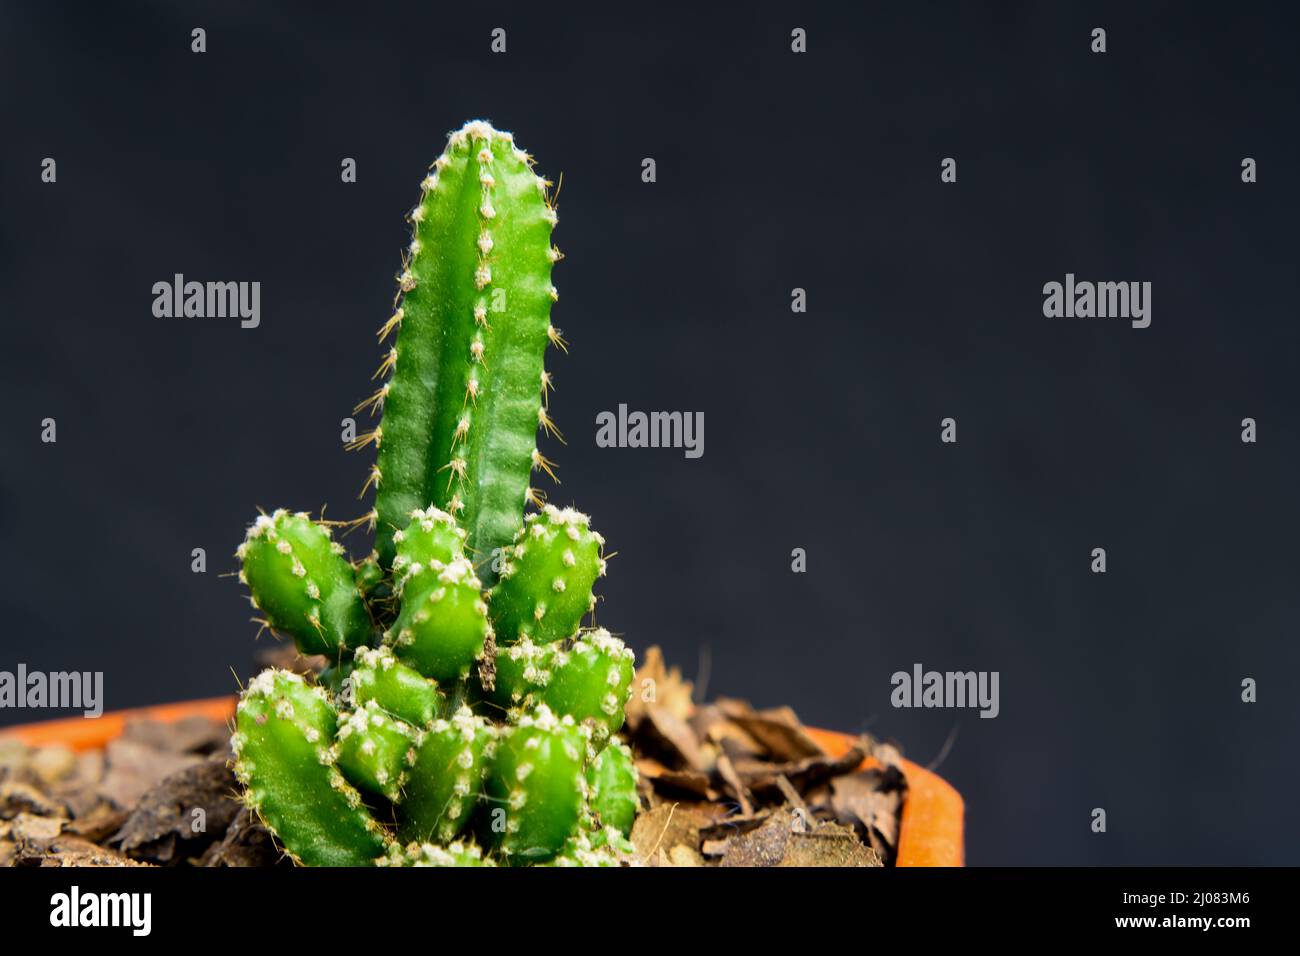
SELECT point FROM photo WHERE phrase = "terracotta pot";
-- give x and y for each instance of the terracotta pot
(930, 835)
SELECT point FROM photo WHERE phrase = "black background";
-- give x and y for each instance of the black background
(775, 170)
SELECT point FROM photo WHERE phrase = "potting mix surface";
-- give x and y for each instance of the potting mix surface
(722, 784)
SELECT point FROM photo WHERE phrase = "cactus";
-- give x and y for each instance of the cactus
(545, 586)
(464, 400)
(523, 669)
(399, 690)
(419, 720)
(300, 580)
(443, 626)
(611, 780)
(447, 777)
(591, 682)
(285, 760)
(374, 750)
(428, 854)
(537, 785)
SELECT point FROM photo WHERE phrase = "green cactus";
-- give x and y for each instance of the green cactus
(374, 750)
(523, 669)
(464, 400)
(546, 579)
(591, 681)
(443, 626)
(428, 854)
(432, 538)
(399, 690)
(604, 848)
(304, 585)
(612, 780)
(284, 758)
(420, 720)
(537, 786)
(447, 777)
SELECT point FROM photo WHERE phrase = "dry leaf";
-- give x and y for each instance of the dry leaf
(778, 729)
(666, 688)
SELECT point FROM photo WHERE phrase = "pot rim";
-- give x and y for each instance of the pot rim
(930, 831)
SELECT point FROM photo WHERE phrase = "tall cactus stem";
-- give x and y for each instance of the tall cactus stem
(462, 406)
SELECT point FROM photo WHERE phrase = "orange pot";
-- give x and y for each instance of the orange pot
(930, 834)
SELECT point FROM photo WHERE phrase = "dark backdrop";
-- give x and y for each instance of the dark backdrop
(774, 171)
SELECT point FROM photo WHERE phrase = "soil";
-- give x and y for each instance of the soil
(722, 784)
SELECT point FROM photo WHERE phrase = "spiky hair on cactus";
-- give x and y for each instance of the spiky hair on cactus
(420, 719)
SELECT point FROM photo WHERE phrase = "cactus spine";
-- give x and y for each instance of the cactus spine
(402, 725)
(464, 400)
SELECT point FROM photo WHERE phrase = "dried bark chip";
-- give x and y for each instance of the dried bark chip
(98, 823)
(789, 838)
(134, 769)
(791, 795)
(79, 791)
(246, 843)
(669, 825)
(710, 724)
(724, 829)
(76, 852)
(714, 848)
(19, 798)
(195, 734)
(682, 855)
(737, 787)
(40, 841)
(181, 815)
(52, 764)
(677, 782)
(91, 766)
(29, 828)
(13, 758)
